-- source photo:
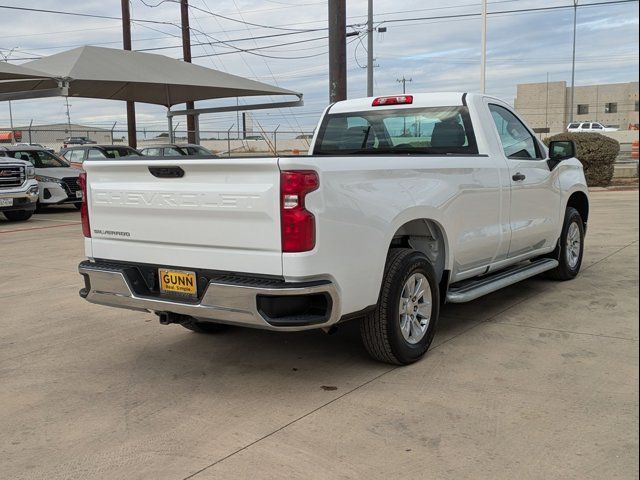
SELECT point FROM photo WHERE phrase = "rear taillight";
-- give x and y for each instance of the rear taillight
(84, 207)
(298, 225)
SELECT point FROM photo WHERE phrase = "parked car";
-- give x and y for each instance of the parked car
(37, 145)
(589, 127)
(77, 155)
(176, 150)
(18, 188)
(376, 224)
(57, 180)
(77, 141)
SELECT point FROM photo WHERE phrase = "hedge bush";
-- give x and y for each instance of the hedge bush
(597, 153)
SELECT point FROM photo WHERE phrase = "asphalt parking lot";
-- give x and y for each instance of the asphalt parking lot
(536, 381)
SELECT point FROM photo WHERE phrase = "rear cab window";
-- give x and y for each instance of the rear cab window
(421, 131)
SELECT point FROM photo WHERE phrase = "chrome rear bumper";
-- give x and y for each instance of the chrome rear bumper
(221, 302)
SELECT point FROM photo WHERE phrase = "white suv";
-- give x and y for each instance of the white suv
(589, 127)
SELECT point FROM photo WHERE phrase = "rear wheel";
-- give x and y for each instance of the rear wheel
(18, 215)
(570, 248)
(198, 326)
(401, 328)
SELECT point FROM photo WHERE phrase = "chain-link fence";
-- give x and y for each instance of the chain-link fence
(222, 142)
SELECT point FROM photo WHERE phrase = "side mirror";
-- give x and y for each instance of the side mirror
(560, 150)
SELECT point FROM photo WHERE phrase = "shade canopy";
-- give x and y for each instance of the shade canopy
(18, 72)
(105, 73)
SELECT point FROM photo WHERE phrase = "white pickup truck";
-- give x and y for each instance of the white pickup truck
(403, 203)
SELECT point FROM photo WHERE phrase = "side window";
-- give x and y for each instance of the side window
(516, 140)
(172, 152)
(74, 156)
(95, 153)
(596, 126)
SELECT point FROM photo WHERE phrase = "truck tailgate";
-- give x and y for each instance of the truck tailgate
(221, 214)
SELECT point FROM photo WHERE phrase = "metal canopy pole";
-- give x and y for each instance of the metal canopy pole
(170, 125)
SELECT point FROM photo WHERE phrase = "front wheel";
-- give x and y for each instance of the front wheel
(570, 248)
(401, 328)
(18, 215)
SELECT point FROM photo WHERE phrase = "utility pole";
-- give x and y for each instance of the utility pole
(483, 61)
(370, 50)
(126, 45)
(337, 50)
(404, 81)
(573, 60)
(186, 56)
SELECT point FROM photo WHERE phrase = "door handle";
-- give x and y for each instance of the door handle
(518, 177)
(166, 172)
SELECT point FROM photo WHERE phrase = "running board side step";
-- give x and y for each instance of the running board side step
(476, 288)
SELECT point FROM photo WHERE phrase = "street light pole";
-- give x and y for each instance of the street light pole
(483, 60)
(573, 59)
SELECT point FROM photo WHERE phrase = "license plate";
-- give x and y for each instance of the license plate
(79, 194)
(178, 281)
(6, 202)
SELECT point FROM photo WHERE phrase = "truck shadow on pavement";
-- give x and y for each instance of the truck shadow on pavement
(260, 354)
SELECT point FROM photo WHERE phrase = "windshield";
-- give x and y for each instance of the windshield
(433, 130)
(39, 158)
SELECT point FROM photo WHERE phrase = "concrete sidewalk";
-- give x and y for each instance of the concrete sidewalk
(537, 381)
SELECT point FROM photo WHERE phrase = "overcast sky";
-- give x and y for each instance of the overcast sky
(437, 55)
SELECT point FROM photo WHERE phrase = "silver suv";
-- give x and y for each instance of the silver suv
(18, 189)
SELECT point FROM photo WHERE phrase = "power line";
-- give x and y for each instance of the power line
(209, 12)
(505, 12)
(77, 14)
(141, 22)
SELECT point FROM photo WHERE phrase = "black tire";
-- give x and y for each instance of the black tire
(565, 271)
(198, 326)
(380, 330)
(77, 205)
(18, 215)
